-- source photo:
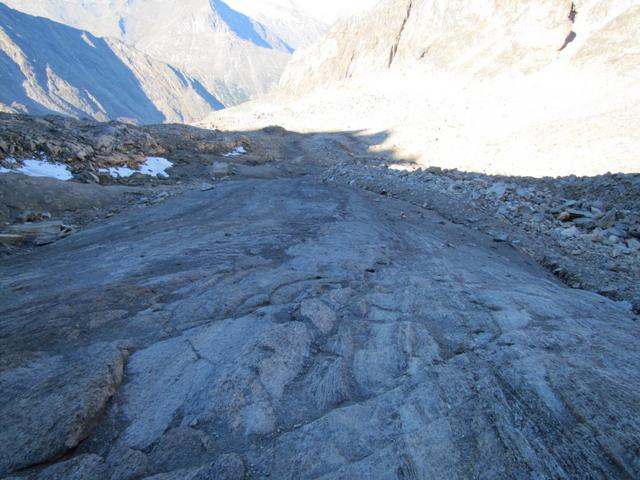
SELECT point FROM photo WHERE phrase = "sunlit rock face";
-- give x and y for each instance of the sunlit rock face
(510, 87)
(481, 38)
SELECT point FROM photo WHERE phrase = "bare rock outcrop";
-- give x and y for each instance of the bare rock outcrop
(480, 38)
(290, 328)
(51, 403)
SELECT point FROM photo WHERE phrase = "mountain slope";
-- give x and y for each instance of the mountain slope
(49, 67)
(480, 40)
(286, 18)
(502, 87)
(233, 55)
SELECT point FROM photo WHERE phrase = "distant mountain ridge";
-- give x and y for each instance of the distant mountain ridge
(233, 55)
(476, 40)
(47, 67)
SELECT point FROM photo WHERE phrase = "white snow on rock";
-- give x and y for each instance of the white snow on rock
(118, 172)
(156, 166)
(41, 168)
(235, 152)
(153, 166)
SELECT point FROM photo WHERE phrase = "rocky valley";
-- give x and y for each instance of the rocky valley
(417, 258)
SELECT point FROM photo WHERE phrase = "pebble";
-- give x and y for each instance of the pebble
(500, 238)
(569, 232)
(633, 244)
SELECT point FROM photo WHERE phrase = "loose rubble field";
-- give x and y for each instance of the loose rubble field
(104, 153)
(586, 230)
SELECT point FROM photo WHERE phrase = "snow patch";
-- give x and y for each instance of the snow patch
(235, 152)
(118, 172)
(156, 166)
(40, 168)
(153, 166)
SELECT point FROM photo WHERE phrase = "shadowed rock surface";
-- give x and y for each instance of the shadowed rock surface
(48, 67)
(232, 52)
(287, 328)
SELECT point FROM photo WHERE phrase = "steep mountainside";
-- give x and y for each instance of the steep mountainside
(480, 38)
(232, 54)
(502, 87)
(49, 67)
(286, 18)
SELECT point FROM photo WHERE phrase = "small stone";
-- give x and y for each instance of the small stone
(569, 232)
(498, 189)
(105, 143)
(618, 251)
(617, 231)
(501, 238)
(584, 222)
(219, 169)
(608, 219)
(633, 244)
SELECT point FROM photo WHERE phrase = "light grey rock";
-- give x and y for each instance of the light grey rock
(452, 358)
(619, 250)
(498, 189)
(50, 404)
(180, 447)
(633, 244)
(608, 219)
(501, 237)
(400, 33)
(319, 314)
(569, 232)
(226, 467)
(617, 231)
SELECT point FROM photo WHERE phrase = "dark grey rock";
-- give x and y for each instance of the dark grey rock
(81, 467)
(49, 404)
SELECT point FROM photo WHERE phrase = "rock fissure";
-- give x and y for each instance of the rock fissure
(394, 47)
